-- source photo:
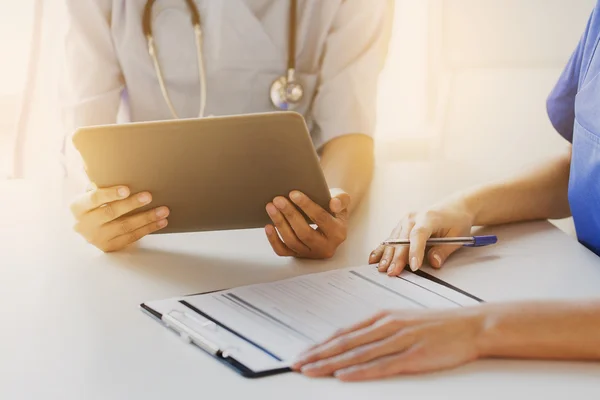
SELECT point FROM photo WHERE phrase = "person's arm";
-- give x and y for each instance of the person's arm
(348, 163)
(345, 106)
(409, 342)
(543, 330)
(91, 96)
(343, 112)
(541, 193)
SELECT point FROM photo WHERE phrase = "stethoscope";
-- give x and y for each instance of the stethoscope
(286, 92)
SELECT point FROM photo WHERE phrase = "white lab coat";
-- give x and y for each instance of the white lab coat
(341, 47)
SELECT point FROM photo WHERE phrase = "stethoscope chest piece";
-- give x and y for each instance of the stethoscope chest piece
(286, 92)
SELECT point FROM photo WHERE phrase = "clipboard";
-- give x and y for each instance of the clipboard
(189, 336)
(231, 346)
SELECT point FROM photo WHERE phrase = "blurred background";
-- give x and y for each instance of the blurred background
(465, 80)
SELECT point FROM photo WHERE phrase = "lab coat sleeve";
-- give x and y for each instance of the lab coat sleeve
(354, 55)
(92, 79)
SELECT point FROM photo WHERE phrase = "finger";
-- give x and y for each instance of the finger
(96, 198)
(325, 221)
(394, 344)
(400, 259)
(383, 367)
(388, 251)
(376, 255)
(116, 209)
(352, 340)
(126, 225)
(123, 241)
(285, 230)
(307, 235)
(278, 246)
(439, 254)
(391, 263)
(418, 242)
(341, 332)
(386, 258)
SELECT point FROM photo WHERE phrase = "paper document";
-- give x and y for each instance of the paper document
(281, 319)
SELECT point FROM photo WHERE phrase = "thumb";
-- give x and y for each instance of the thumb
(439, 254)
(340, 201)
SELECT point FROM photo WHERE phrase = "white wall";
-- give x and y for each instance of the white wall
(491, 64)
(402, 89)
(500, 60)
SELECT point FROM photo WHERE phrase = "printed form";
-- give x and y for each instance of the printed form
(286, 317)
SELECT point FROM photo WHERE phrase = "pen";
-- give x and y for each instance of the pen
(473, 241)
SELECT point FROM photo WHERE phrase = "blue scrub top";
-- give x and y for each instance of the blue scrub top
(574, 109)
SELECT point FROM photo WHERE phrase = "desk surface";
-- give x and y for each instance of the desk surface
(71, 328)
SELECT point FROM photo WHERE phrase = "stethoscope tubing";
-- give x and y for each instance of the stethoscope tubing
(287, 79)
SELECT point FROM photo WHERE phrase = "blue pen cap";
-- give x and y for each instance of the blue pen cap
(481, 241)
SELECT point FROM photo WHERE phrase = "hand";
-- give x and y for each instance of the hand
(298, 238)
(398, 342)
(100, 217)
(450, 219)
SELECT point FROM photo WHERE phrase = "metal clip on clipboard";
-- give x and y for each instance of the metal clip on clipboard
(183, 324)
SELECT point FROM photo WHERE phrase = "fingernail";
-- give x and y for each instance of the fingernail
(438, 259)
(337, 204)
(372, 255)
(123, 192)
(144, 198)
(383, 263)
(162, 212)
(162, 223)
(414, 263)
(269, 230)
(310, 367)
(279, 203)
(391, 268)
(271, 210)
(342, 372)
(296, 196)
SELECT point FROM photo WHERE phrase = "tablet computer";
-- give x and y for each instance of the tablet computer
(213, 173)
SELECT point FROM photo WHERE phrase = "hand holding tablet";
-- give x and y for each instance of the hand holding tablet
(212, 174)
(101, 220)
(300, 239)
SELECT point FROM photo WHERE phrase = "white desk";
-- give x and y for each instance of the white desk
(71, 328)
